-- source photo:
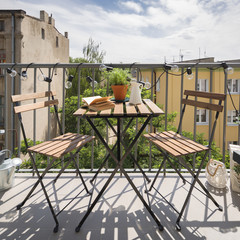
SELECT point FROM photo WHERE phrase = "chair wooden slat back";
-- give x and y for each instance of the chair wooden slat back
(210, 106)
(36, 105)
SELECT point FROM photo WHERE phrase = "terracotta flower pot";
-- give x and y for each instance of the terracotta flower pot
(119, 91)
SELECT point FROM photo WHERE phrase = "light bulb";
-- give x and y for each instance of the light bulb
(174, 68)
(13, 73)
(24, 75)
(41, 78)
(94, 83)
(68, 84)
(229, 70)
(147, 85)
(190, 76)
(102, 67)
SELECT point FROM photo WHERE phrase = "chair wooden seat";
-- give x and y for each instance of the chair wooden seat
(174, 143)
(61, 145)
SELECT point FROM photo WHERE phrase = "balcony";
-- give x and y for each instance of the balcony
(114, 217)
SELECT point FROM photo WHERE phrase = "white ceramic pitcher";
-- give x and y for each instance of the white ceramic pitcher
(135, 96)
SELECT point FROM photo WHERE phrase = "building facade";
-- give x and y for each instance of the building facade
(26, 39)
(205, 80)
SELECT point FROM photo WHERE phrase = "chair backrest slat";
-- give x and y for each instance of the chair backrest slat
(34, 106)
(30, 96)
(207, 95)
(209, 106)
(217, 96)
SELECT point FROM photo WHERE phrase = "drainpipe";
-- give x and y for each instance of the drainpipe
(13, 81)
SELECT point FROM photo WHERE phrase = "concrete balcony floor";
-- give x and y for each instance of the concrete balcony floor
(119, 214)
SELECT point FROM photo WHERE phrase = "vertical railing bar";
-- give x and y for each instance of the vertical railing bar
(12, 116)
(151, 124)
(63, 100)
(195, 118)
(210, 112)
(63, 107)
(136, 131)
(166, 101)
(78, 106)
(49, 89)
(6, 109)
(224, 116)
(18, 126)
(166, 114)
(34, 111)
(92, 150)
(181, 95)
(107, 127)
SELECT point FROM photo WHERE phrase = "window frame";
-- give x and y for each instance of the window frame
(232, 116)
(199, 117)
(231, 87)
(200, 83)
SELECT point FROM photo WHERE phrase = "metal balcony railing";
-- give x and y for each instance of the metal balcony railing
(13, 85)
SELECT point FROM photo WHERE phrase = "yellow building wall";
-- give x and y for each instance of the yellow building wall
(174, 91)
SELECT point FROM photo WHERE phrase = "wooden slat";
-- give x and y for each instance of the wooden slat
(51, 144)
(166, 140)
(130, 109)
(143, 109)
(106, 112)
(155, 109)
(118, 109)
(80, 112)
(217, 96)
(34, 106)
(162, 145)
(74, 146)
(209, 106)
(91, 113)
(61, 145)
(65, 146)
(29, 96)
(198, 146)
(180, 144)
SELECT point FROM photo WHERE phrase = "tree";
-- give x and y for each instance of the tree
(92, 54)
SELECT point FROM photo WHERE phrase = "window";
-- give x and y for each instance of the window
(57, 44)
(231, 118)
(2, 59)
(43, 33)
(202, 116)
(233, 85)
(202, 85)
(2, 26)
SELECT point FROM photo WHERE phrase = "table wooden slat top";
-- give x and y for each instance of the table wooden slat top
(124, 110)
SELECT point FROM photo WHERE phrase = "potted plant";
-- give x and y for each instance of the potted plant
(118, 79)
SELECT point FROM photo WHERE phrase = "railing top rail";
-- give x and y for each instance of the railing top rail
(118, 65)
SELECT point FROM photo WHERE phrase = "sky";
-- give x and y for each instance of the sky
(145, 31)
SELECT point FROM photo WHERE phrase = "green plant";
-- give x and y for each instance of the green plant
(236, 168)
(117, 76)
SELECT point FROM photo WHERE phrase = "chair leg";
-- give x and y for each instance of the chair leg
(195, 176)
(45, 193)
(35, 185)
(156, 176)
(80, 175)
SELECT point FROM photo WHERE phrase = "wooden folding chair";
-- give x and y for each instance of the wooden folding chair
(174, 146)
(56, 148)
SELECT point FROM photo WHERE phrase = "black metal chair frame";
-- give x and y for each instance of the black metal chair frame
(67, 160)
(170, 158)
